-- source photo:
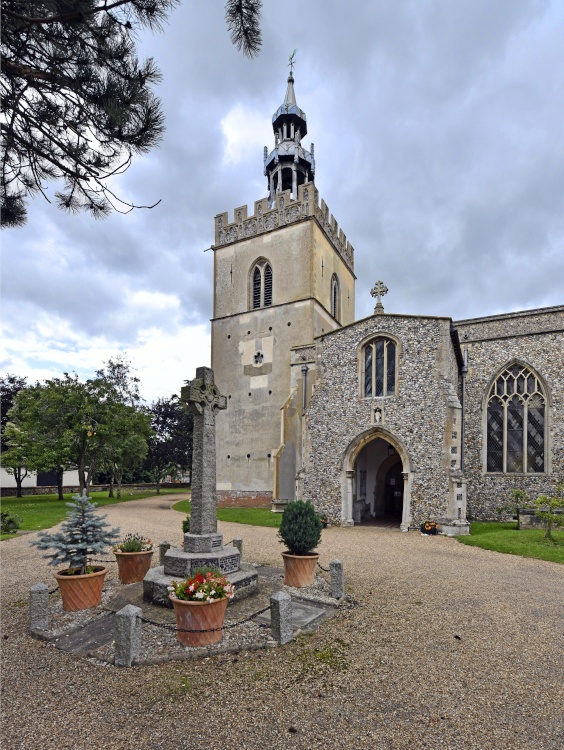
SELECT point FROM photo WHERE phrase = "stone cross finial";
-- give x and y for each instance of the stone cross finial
(379, 291)
(204, 400)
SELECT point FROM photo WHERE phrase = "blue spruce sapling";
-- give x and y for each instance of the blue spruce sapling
(82, 535)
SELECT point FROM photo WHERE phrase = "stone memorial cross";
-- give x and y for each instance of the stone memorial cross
(204, 400)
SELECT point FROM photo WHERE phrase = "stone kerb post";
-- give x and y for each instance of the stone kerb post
(281, 617)
(337, 579)
(127, 635)
(38, 608)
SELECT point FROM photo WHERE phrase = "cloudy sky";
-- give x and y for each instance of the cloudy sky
(439, 143)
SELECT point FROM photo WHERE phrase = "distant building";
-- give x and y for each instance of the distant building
(400, 417)
(39, 479)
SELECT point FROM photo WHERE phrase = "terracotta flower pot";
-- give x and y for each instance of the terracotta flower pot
(299, 570)
(199, 616)
(133, 566)
(81, 591)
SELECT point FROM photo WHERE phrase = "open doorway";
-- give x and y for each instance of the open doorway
(378, 493)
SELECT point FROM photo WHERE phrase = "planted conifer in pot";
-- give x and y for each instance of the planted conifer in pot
(300, 531)
(82, 535)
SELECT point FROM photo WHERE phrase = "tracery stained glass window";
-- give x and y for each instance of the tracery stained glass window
(379, 357)
(261, 293)
(516, 423)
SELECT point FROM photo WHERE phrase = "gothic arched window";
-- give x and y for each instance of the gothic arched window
(261, 280)
(515, 441)
(335, 297)
(379, 368)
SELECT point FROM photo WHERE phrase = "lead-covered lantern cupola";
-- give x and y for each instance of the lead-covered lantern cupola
(289, 165)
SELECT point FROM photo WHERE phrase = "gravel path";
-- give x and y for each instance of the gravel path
(451, 647)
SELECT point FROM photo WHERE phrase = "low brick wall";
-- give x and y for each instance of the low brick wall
(125, 488)
(243, 499)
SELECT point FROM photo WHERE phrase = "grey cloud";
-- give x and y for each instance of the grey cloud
(439, 149)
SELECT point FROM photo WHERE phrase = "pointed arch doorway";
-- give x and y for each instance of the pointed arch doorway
(377, 482)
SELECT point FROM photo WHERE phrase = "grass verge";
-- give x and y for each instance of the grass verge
(506, 538)
(43, 511)
(249, 516)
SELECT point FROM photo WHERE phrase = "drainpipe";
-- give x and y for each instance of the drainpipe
(305, 369)
(464, 370)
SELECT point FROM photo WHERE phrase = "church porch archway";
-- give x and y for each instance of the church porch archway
(376, 481)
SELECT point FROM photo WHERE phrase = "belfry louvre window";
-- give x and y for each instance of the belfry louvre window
(516, 423)
(261, 295)
(379, 372)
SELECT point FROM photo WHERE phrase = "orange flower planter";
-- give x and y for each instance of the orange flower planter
(81, 591)
(299, 570)
(199, 616)
(133, 566)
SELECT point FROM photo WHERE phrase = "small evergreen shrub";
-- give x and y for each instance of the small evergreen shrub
(82, 535)
(10, 523)
(300, 528)
(186, 524)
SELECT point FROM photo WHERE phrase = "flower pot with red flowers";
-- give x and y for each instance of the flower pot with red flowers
(82, 535)
(133, 555)
(300, 531)
(199, 605)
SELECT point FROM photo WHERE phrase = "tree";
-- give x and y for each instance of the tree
(10, 386)
(48, 423)
(82, 535)
(127, 438)
(118, 372)
(77, 103)
(170, 445)
(13, 460)
(551, 510)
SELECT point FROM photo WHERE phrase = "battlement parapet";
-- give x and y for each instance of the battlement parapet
(285, 211)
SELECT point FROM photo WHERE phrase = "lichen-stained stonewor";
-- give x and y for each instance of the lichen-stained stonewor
(204, 400)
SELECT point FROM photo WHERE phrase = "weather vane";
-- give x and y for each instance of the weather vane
(292, 61)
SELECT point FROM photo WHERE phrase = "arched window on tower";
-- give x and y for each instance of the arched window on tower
(261, 285)
(516, 425)
(379, 368)
(335, 297)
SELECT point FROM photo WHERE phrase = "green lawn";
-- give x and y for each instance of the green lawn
(43, 511)
(250, 516)
(506, 538)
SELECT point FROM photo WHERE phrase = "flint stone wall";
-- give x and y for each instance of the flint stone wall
(416, 416)
(536, 339)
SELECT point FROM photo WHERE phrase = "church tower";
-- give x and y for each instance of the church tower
(283, 276)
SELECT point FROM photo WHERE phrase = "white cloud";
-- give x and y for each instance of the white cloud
(243, 129)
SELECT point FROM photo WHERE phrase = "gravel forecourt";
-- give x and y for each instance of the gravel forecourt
(449, 647)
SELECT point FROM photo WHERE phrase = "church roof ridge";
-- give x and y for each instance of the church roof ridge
(514, 314)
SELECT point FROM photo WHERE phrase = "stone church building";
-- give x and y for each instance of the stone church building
(398, 417)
